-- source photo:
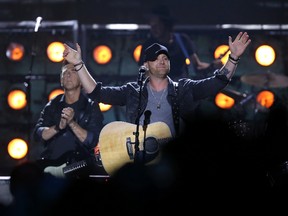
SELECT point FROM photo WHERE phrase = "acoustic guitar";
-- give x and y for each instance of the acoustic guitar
(117, 142)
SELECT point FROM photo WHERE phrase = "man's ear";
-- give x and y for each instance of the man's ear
(146, 66)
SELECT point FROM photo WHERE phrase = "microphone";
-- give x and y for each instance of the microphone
(142, 69)
(38, 22)
(141, 75)
(147, 115)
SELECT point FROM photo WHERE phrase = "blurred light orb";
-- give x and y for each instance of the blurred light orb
(55, 51)
(17, 148)
(17, 99)
(15, 51)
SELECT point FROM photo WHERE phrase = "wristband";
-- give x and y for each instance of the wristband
(80, 63)
(235, 60)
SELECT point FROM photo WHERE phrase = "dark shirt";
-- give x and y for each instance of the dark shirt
(189, 94)
(178, 69)
(87, 114)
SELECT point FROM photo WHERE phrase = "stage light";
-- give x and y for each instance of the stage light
(187, 61)
(137, 52)
(17, 148)
(54, 93)
(265, 55)
(104, 107)
(15, 51)
(265, 98)
(17, 99)
(224, 101)
(55, 51)
(222, 52)
(102, 54)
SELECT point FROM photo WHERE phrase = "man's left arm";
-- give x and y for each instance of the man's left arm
(237, 48)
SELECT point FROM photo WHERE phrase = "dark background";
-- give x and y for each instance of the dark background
(132, 11)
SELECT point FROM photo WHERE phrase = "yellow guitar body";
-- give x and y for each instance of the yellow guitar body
(117, 142)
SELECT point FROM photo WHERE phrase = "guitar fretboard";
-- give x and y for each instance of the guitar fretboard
(75, 166)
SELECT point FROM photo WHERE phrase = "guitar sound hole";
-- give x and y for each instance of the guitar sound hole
(151, 145)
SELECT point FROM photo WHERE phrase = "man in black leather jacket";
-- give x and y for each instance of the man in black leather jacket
(169, 102)
(69, 125)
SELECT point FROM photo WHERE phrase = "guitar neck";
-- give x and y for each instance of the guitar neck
(74, 167)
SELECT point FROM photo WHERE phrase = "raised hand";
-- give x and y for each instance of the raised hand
(71, 55)
(239, 45)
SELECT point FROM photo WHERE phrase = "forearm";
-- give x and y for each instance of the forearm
(79, 132)
(74, 57)
(230, 66)
(49, 132)
(87, 81)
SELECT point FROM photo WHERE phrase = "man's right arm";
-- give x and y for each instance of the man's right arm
(74, 57)
(48, 132)
(42, 131)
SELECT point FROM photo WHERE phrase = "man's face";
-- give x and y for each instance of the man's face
(160, 67)
(69, 77)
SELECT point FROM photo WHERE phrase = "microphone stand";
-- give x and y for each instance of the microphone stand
(147, 115)
(136, 133)
(30, 76)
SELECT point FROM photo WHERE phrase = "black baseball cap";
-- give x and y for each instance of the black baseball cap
(151, 53)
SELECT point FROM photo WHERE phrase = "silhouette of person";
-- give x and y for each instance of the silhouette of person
(180, 46)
